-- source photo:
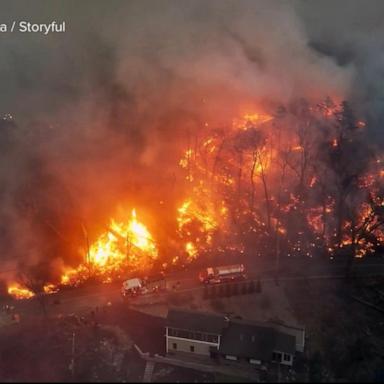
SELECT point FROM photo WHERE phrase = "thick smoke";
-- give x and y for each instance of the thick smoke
(350, 33)
(102, 112)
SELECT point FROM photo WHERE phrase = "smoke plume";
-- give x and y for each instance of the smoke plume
(96, 117)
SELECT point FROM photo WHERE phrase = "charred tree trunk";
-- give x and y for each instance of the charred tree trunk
(352, 255)
(216, 161)
(252, 202)
(42, 300)
(277, 226)
(240, 174)
(339, 221)
(324, 217)
(267, 201)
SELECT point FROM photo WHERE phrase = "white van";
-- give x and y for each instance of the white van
(132, 287)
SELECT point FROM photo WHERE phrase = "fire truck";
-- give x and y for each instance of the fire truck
(226, 273)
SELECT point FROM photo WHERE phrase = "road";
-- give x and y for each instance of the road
(78, 300)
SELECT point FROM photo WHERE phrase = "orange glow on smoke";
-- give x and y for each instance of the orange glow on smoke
(251, 119)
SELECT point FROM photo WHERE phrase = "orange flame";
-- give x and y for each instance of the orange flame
(127, 244)
(18, 292)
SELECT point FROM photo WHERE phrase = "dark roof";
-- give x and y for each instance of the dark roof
(196, 321)
(244, 339)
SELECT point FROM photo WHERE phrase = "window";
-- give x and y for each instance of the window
(185, 334)
(212, 338)
(174, 345)
(192, 348)
(276, 356)
(287, 357)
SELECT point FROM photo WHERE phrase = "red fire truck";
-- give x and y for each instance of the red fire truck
(226, 273)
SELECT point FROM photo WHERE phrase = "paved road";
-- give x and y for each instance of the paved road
(86, 298)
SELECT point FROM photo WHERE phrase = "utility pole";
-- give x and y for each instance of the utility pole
(129, 245)
(72, 364)
(277, 250)
(88, 255)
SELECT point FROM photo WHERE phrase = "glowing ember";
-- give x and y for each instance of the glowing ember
(191, 250)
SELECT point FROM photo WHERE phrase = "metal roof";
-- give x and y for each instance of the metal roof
(244, 339)
(196, 321)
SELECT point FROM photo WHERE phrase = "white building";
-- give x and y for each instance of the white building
(216, 336)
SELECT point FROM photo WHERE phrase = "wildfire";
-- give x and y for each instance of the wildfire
(18, 292)
(251, 119)
(246, 177)
(198, 219)
(123, 245)
(129, 242)
(190, 248)
(190, 211)
(184, 161)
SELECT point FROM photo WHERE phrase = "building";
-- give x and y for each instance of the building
(255, 344)
(193, 332)
(217, 336)
(297, 332)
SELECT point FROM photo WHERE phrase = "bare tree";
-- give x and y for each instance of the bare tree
(365, 224)
(34, 279)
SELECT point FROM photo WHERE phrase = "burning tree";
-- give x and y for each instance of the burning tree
(301, 180)
(305, 163)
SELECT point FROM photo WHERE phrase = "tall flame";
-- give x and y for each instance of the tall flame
(122, 245)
